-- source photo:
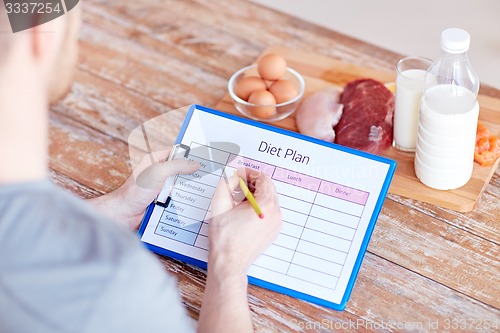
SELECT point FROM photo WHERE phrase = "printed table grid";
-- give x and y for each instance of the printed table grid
(320, 218)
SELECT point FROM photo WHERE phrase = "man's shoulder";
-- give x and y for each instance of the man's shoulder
(48, 217)
(60, 261)
(43, 223)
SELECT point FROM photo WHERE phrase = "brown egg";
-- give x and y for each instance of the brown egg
(272, 67)
(246, 86)
(283, 91)
(265, 104)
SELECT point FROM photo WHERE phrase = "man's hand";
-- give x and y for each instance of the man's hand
(237, 237)
(127, 204)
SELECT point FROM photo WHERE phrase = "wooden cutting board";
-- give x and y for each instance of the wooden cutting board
(320, 72)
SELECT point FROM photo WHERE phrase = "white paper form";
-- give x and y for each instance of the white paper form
(328, 198)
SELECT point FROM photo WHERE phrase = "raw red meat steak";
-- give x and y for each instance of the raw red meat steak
(366, 123)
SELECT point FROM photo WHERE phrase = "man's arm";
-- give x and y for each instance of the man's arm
(237, 237)
(225, 305)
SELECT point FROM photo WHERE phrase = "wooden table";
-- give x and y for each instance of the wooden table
(426, 269)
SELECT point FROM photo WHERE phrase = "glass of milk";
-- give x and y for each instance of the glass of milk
(410, 75)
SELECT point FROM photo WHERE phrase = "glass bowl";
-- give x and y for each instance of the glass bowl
(281, 110)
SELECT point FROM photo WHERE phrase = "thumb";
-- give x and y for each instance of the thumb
(178, 166)
(154, 176)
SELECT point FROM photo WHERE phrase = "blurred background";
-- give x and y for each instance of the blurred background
(410, 27)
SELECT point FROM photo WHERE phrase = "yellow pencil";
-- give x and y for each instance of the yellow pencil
(250, 197)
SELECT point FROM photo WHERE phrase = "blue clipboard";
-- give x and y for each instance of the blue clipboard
(265, 284)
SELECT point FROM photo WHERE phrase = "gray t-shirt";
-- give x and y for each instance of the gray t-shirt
(64, 268)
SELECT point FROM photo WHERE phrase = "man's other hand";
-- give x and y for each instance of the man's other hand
(127, 204)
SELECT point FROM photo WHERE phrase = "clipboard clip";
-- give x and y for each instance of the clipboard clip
(178, 151)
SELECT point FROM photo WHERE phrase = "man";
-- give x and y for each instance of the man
(66, 268)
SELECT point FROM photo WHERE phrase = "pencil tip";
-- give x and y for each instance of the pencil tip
(261, 216)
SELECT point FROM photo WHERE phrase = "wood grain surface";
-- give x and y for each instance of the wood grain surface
(427, 268)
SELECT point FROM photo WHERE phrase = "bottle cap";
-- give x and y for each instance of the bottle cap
(455, 40)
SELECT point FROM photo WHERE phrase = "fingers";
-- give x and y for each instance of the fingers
(264, 190)
(154, 176)
(160, 156)
(150, 159)
(223, 200)
(179, 166)
(265, 194)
